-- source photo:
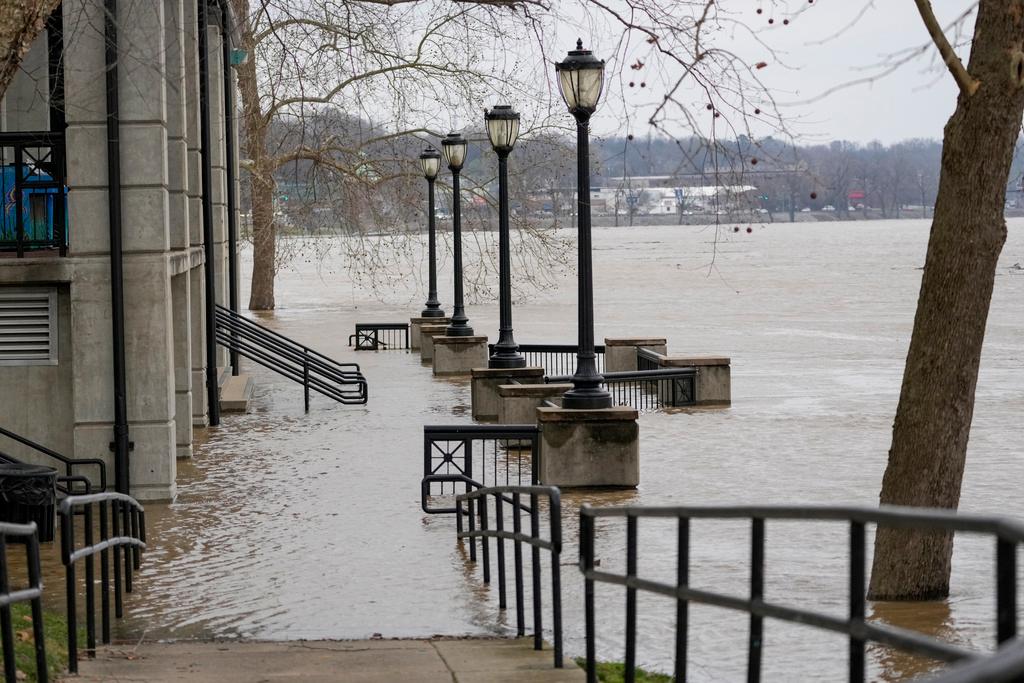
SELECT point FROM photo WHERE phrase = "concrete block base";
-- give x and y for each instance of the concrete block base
(485, 400)
(459, 355)
(415, 325)
(620, 352)
(583, 448)
(714, 377)
(426, 341)
(235, 393)
(518, 403)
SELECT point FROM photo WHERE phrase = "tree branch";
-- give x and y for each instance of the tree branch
(967, 83)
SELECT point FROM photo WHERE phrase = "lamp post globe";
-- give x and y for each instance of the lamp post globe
(453, 147)
(430, 164)
(580, 80)
(502, 130)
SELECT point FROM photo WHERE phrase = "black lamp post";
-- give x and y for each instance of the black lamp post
(454, 149)
(430, 163)
(580, 79)
(503, 129)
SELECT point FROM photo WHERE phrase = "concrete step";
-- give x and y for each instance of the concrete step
(235, 393)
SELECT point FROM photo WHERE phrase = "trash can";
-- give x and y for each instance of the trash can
(28, 493)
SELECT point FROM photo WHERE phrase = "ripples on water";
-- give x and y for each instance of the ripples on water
(290, 526)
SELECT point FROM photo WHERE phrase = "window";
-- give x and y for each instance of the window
(28, 325)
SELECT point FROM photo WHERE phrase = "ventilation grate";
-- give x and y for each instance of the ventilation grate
(28, 326)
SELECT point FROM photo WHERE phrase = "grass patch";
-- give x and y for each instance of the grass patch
(615, 672)
(55, 629)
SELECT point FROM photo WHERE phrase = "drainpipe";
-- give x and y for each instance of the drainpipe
(120, 446)
(212, 393)
(229, 154)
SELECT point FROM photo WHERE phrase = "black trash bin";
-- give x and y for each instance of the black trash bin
(28, 493)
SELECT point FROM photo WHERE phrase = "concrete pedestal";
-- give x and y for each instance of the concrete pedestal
(518, 403)
(714, 377)
(459, 355)
(427, 334)
(414, 329)
(486, 381)
(620, 352)
(589, 447)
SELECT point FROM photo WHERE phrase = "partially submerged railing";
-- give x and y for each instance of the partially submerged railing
(484, 455)
(556, 359)
(342, 382)
(33, 192)
(122, 529)
(1007, 664)
(23, 534)
(647, 389)
(494, 508)
(380, 336)
(70, 477)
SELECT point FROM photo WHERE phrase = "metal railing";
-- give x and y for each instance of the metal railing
(556, 359)
(64, 483)
(647, 389)
(1005, 665)
(492, 506)
(33, 594)
(342, 382)
(122, 525)
(647, 359)
(380, 336)
(33, 192)
(483, 455)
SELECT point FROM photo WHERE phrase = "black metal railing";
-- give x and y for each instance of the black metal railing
(23, 534)
(71, 476)
(483, 455)
(342, 382)
(556, 359)
(647, 359)
(33, 192)
(488, 513)
(122, 530)
(1005, 665)
(647, 389)
(380, 336)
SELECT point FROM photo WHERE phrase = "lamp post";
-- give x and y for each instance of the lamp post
(430, 163)
(454, 149)
(580, 80)
(503, 129)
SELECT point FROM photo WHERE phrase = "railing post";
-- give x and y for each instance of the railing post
(517, 550)
(538, 628)
(587, 565)
(1006, 590)
(35, 581)
(857, 600)
(67, 544)
(90, 587)
(6, 625)
(499, 524)
(305, 378)
(756, 594)
(682, 606)
(631, 561)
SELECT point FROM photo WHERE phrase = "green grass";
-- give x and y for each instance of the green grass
(615, 672)
(55, 628)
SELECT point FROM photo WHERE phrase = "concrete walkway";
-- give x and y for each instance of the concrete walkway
(422, 661)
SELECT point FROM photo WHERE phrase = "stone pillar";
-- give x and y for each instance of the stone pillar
(182, 312)
(459, 355)
(414, 329)
(585, 448)
(427, 334)
(714, 377)
(518, 403)
(218, 161)
(620, 352)
(484, 387)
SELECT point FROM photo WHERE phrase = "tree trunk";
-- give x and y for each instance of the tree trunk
(261, 172)
(21, 21)
(933, 419)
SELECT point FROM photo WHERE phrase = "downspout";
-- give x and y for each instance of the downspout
(120, 445)
(212, 393)
(229, 163)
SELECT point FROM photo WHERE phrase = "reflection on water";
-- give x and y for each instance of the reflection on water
(290, 525)
(931, 618)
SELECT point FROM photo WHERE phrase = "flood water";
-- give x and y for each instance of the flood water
(290, 525)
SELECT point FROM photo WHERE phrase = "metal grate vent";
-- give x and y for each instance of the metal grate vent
(28, 326)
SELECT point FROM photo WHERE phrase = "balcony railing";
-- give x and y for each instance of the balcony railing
(33, 192)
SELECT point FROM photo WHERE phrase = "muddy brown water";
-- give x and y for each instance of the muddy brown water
(290, 526)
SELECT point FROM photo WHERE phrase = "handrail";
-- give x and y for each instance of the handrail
(1009, 534)
(67, 462)
(127, 530)
(647, 389)
(367, 336)
(33, 594)
(342, 382)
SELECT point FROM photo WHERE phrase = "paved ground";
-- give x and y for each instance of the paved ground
(419, 661)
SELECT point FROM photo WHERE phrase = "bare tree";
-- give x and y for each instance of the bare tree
(21, 21)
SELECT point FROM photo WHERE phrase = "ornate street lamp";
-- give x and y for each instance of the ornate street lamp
(454, 149)
(503, 129)
(580, 80)
(430, 163)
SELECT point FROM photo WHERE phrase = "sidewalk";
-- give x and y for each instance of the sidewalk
(420, 661)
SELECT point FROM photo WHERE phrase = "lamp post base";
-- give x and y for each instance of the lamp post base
(432, 312)
(505, 360)
(586, 399)
(458, 330)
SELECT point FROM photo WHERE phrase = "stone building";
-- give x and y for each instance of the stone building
(112, 203)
